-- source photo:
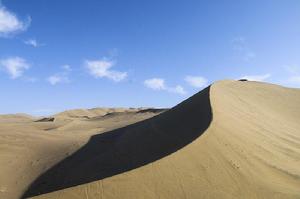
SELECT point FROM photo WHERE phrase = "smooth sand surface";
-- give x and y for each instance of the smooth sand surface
(232, 140)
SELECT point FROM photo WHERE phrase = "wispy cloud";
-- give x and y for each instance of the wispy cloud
(177, 89)
(240, 46)
(155, 83)
(196, 81)
(62, 77)
(57, 78)
(14, 66)
(159, 84)
(33, 42)
(10, 24)
(256, 77)
(102, 69)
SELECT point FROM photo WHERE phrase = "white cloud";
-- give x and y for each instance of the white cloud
(54, 79)
(10, 23)
(32, 42)
(102, 69)
(159, 84)
(155, 83)
(196, 81)
(58, 78)
(177, 89)
(14, 66)
(62, 77)
(256, 77)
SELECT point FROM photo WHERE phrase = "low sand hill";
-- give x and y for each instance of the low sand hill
(19, 117)
(94, 112)
(234, 139)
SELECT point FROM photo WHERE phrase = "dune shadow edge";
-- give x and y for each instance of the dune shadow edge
(129, 147)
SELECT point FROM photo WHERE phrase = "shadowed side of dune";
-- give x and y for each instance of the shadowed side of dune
(130, 147)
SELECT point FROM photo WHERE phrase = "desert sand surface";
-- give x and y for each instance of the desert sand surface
(234, 139)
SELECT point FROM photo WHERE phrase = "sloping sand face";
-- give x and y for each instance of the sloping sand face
(256, 134)
(130, 147)
(29, 148)
(231, 140)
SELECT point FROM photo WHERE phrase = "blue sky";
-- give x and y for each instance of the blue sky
(57, 55)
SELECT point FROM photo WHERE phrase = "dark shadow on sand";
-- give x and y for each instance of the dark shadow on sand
(130, 147)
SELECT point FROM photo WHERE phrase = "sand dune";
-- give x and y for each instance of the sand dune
(20, 117)
(234, 139)
(96, 112)
(28, 148)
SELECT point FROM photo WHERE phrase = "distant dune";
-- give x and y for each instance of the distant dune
(19, 117)
(96, 112)
(234, 139)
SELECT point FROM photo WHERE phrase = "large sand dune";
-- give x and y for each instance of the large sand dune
(232, 140)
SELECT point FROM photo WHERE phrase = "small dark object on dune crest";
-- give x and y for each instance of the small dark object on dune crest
(46, 119)
(153, 110)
